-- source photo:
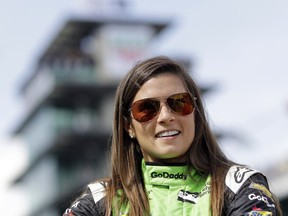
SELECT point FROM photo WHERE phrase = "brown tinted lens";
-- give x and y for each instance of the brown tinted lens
(180, 104)
(145, 110)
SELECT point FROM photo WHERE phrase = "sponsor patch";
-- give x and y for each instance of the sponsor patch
(206, 189)
(187, 196)
(240, 173)
(259, 213)
(264, 199)
(169, 175)
(255, 208)
(262, 188)
(75, 204)
(68, 212)
(237, 175)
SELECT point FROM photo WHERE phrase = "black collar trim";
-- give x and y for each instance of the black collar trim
(165, 164)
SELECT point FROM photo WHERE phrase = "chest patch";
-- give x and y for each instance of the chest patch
(187, 196)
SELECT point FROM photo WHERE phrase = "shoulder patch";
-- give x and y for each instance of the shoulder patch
(97, 190)
(237, 175)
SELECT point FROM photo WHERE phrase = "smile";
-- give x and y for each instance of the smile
(167, 133)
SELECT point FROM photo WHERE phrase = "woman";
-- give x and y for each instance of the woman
(164, 158)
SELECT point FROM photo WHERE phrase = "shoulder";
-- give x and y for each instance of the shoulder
(91, 202)
(247, 191)
(237, 175)
(97, 191)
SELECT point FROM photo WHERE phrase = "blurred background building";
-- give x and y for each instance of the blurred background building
(68, 97)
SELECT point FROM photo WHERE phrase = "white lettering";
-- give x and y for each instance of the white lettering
(260, 198)
(75, 204)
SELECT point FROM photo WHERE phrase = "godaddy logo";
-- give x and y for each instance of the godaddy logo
(169, 175)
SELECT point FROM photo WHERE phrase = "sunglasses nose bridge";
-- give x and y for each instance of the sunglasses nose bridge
(163, 103)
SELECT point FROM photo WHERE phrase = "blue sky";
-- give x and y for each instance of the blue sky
(241, 46)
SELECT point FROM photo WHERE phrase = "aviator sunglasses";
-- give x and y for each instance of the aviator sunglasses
(146, 109)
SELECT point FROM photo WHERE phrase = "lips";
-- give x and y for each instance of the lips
(167, 133)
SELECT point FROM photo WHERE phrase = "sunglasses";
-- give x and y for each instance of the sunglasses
(146, 109)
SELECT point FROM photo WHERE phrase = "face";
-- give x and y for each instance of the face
(168, 136)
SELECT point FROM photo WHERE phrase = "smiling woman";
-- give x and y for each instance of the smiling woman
(166, 128)
(164, 158)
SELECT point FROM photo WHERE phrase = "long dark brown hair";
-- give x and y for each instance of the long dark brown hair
(204, 153)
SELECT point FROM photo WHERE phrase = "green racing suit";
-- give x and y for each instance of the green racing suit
(175, 190)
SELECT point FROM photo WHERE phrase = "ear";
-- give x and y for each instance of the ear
(131, 133)
(129, 129)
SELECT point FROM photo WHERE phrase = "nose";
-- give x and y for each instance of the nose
(165, 114)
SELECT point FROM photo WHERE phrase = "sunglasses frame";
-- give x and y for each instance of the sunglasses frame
(164, 100)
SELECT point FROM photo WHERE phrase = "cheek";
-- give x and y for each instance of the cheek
(143, 132)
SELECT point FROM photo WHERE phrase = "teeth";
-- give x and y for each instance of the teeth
(168, 133)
